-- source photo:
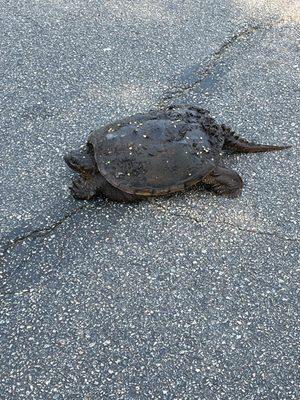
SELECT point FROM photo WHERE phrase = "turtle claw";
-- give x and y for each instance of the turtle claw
(224, 182)
(80, 190)
(232, 194)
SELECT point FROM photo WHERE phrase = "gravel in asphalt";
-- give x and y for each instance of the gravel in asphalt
(188, 297)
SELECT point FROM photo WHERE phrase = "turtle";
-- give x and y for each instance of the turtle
(158, 153)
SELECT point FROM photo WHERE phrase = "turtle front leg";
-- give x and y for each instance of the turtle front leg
(87, 189)
(96, 185)
(224, 181)
(81, 190)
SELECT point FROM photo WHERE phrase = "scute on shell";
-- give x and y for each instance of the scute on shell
(159, 152)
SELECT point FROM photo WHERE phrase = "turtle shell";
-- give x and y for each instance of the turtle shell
(156, 153)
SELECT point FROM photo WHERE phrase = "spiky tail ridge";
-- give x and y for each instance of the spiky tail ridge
(239, 145)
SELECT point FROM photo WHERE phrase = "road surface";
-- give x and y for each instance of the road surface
(190, 297)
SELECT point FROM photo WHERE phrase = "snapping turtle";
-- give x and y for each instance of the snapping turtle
(158, 153)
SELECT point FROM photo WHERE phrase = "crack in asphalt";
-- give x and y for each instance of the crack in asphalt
(215, 58)
(230, 224)
(40, 232)
(203, 74)
(177, 92)
(48, 230)
(37, 233)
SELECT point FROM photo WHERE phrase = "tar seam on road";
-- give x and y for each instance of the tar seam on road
(37, 233)
(203, 74)
(177, 92)
(230, 224)
(214, 59)
(40, 232)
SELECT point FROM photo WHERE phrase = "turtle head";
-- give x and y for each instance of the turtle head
(81, 161)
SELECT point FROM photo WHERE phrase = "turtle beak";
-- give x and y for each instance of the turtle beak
(71, 161)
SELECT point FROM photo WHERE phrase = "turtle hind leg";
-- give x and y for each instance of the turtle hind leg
(224, 181)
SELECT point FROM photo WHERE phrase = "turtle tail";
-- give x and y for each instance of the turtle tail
(239, 145)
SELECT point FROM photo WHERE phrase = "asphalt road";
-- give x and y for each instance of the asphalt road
(189, 297)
